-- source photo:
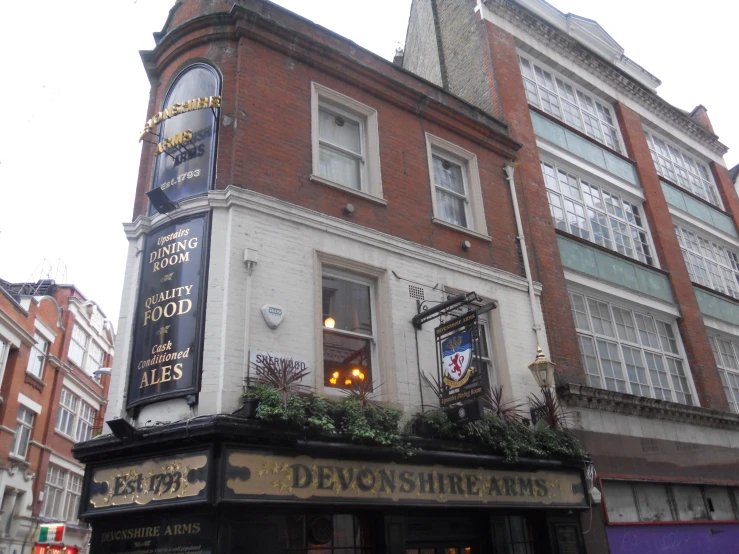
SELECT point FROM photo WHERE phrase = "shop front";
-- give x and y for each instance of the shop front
(223, 484)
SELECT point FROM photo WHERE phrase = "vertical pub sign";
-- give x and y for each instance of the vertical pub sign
(186, 132)
(168, 329)
(458, 346)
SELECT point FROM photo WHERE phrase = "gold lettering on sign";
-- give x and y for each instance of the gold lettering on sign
(180, 108)
(175, 140)
(152, 481)
(312, 479)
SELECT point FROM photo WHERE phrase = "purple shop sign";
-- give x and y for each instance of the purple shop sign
(674, 539)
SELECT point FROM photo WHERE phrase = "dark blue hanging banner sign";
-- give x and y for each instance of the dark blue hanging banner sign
(170, 313)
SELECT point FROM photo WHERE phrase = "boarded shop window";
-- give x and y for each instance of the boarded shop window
(689, 503)
(621, 501)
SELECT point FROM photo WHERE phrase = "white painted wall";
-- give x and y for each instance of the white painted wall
(292, 243)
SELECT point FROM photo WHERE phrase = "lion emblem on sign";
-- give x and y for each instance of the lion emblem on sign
(456, 352)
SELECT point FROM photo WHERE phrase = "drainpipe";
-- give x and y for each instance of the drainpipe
(509, 170)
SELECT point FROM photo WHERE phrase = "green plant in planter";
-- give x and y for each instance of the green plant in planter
(558, 443)
(281, 374)
(320, 414)
(370, 423)
(272, 409)
(435, 423)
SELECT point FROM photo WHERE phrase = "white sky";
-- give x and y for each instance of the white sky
(74, 96)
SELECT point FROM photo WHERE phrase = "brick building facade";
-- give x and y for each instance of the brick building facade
(633, 218)
(316, 198)
(52, 341)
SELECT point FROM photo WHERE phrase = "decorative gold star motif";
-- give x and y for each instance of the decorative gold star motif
(163, 330)
(167, 277)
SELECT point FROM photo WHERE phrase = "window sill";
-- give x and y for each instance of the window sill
(18, 459)
(359, 193)
(35, 379)
(464, 230)
(57, 432)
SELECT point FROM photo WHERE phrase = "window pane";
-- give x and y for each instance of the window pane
(647, 331)
(667, 337)
(624, 325)
(448, 175)
(452, 209)
(636, 371)
(346, 360)
(558, 214)
(339, 130)
(610, 362)
(689, 503)
(348, 304)
(679, 381)
(587, 347)
(658, 376)
(619, 501)
(578, 312)
(653, 502)
(339, 168)
(601, 318)
(719, 503)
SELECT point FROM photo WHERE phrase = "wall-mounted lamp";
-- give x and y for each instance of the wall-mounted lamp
(329, 323)
(161, 201)
(349, 209)
(542, 369)
(466, 245)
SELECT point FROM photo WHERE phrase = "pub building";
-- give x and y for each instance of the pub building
(302, 201)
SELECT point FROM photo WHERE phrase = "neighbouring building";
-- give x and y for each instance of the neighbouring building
(633, 218)
(300, 198)
(56, 350)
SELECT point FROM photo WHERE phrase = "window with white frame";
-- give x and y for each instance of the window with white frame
(455, 185)
(560, 98)
(674, 164)
(346, 148)
(85, 422)
(38, 356)
(67, 414)
(61, 494)
(630, 352)
(84, 352)
(709, 264)
(589, 211)
(348, 329)
(726, 353)
(23, 430)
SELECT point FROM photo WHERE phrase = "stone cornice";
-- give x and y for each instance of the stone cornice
(580, 396)
(592, 62)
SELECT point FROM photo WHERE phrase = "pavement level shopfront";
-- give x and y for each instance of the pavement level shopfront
(223, 484)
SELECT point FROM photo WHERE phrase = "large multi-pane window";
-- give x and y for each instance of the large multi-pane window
(674, 164)
(84, 351)
(590, 212)
(630, 352)
(85, 422)
(709, 264)
(726, 353)
(61, 494)
(563, 100)
(630, 502)
(348, 331)
(23, 430)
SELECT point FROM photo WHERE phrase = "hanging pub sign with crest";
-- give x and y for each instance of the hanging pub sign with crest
(457, 343)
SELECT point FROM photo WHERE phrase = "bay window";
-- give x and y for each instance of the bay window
(630, 352)
(586, 210)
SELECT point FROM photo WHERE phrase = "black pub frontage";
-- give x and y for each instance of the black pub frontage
(225, 484)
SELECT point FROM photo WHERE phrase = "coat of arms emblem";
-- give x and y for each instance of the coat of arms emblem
(456, 354)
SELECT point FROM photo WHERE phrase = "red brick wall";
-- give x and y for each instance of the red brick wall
(543, 249)
(692, 329)
(267, 92)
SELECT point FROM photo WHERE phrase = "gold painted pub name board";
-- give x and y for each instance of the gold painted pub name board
(158, 480)
(258, 476)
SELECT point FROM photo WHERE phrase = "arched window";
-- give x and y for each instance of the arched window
(188, 133)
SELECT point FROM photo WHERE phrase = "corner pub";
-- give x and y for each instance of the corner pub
(292, 257)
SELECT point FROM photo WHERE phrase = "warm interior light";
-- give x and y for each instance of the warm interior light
(332, 380)
(330, 323)
(348, 382)
(355, 372)
(335, 375)
(361, 376)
